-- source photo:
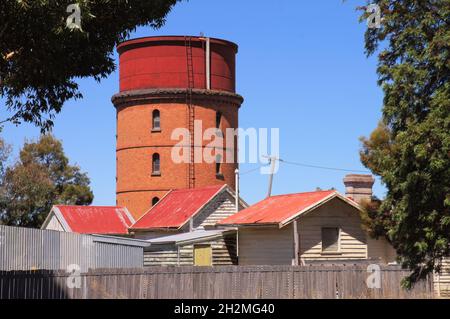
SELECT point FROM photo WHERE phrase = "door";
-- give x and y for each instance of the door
(202, 255)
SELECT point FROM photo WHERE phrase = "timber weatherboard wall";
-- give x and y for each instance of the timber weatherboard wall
(263, 245)
(442, 279)
(223, 253)
(54, 224)
(29, 249)
(266, 246)
(380, 249)
(335, 213)
(218, 209)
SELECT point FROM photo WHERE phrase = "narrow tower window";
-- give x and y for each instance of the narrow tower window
(156, 121)
(218, 119)
(156, 164)
(155, 200)
(219, 166)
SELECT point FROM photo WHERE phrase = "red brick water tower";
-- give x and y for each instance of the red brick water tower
(168, 83)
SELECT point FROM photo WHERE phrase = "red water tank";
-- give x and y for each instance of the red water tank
(160, 62)
(168, 83)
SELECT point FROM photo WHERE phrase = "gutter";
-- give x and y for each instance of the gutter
(255, 225)
(189, 241)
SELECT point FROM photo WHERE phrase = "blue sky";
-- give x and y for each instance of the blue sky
(301, 67)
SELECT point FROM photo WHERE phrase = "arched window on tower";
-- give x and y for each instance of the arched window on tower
(156, 121)
(218, 122)
(156, 164)
(155, 200)
(218, 119)
(219, 166)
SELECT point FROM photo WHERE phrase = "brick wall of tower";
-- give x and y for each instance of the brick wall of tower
(136, 144)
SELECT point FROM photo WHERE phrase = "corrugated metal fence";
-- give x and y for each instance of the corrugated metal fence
(28, 249)
(224, 282)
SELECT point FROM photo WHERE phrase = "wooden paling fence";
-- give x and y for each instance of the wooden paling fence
(226, 282)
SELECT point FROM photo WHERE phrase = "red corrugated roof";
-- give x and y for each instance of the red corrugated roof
(276, 209)
(96, 219)
(175, 209)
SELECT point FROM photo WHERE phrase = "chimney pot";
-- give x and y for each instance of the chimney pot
(359, 187)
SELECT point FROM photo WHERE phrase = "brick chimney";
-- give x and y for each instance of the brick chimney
(358, 187)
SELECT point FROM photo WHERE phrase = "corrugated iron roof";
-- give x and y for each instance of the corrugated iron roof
(189, 236)
(119, 240)
(96, 219)
(276, 209)
(177, 207)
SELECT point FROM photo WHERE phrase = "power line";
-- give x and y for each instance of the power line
(306, 165)
(323, 167)
(252, 170)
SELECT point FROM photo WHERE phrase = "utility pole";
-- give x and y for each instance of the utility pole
(236, 172)
(272, 163)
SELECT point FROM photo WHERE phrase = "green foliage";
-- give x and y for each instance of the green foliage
(5, 150)
(374, 219)
(42, 177)
(410, 149)
(40, 58)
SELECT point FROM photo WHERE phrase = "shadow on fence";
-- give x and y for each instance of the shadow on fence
(41, 284)
(227, 282)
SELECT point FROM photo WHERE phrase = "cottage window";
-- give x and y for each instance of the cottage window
(330, 239)
(156, 164)
(156, 121)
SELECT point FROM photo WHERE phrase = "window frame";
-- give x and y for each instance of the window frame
(331, 252)
(218, 166)
(156, 114)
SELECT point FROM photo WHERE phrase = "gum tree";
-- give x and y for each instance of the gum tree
(410, 149)
(42, 177)
(41, 57)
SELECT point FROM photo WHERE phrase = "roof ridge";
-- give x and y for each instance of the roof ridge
(302, 193)
(89, 219)
(89, 206)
